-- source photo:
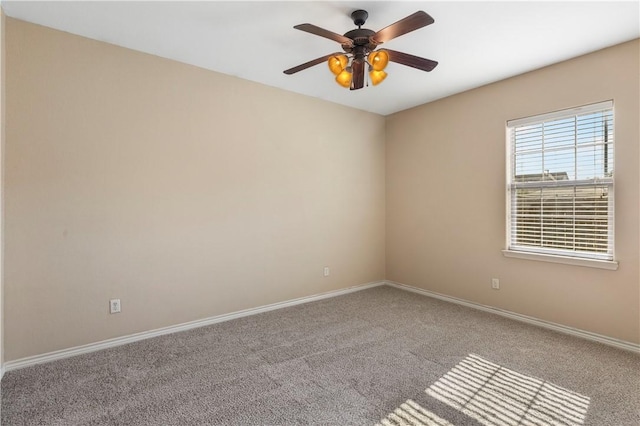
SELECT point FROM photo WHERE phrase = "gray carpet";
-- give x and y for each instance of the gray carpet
(379, 356)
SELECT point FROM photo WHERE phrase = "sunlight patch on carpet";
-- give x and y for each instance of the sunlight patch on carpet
(497, 396)
(412, 413)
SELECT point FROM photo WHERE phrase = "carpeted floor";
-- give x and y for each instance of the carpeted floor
(378, 356)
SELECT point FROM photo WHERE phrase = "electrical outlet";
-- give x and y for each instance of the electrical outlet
(495, 283)
(326, 271)
(114, 306)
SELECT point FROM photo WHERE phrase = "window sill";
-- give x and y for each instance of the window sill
(592, 263)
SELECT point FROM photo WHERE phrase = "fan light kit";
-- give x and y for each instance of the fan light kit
(360, 46)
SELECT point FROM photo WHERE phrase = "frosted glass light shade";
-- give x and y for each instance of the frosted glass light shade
(379, 60)
(344, 78)
(337, 63)
(377, 77)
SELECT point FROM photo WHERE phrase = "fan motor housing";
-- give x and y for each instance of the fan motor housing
(360, 37)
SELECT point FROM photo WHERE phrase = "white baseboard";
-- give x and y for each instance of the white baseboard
(118, 341)
(621, 344)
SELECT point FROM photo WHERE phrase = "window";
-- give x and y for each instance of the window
(560, 185)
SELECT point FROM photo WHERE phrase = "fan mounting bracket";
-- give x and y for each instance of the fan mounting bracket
(359, 17)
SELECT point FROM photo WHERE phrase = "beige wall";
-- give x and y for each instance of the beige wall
(446, 197)
(183, 192)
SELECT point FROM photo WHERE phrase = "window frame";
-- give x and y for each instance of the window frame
(549, 254)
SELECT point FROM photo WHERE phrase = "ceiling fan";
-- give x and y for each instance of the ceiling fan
(360, 47)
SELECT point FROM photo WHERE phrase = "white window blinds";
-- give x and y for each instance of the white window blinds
(560, 183)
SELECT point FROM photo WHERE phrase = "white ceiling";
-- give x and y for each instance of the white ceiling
(475, 42)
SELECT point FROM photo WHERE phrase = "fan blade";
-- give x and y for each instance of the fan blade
(357, 79)
(411, 61)
(324, 33)
(309, 64)
(410, 23)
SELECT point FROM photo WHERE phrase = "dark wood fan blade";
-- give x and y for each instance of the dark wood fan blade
(410, 23)
(310, 64)
(309, 28)
(411, 61)
(357, 79)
